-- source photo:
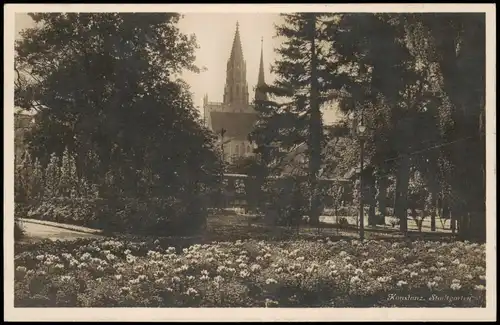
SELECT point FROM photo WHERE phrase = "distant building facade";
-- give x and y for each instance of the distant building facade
(234, 118)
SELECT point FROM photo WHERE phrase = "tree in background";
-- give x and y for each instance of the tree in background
(293, 116)
(104, 86)
(407, 75)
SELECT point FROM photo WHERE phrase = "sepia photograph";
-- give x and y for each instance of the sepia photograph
(304, 158)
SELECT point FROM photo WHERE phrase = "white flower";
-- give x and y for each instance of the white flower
(455, 286)
(432, 250)
(342, 253)
(349, 267)
(469, 277)
(242, 266)
(204, 277)
(437, 278)
(480, 287)
(367, 262)
(439, 264)
(279, 270)
(479, 269)
(432, 284)
(456, 261)
(355, 279)
(298, 275)
(442, 269)
(244, 273)
(40, 257)
(482, 277)
(413, 274)
(358, 271)
(255, 267)
(82, 265)
(118, 276)
(383, 279)
(462, 266)
(21, 269)
(455, 281)
(218, 279)
(300, 258)
(405, 271)
(59, 266)
(401, 283)
(134, 281)
(191, 292)
(176, 279)
(333, 273)
(271, 281)
(141, 277)
(124, 290)
(190, 278)
(424, 271)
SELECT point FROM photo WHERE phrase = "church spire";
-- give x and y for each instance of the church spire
(261, 95)
(236, 90)
(237, 50)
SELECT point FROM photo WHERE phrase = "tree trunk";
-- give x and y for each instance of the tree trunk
(434, 207)
(401, 195)
(372, 218)
(452, 221)
(315, 129)
(382, 199)
(415, 217)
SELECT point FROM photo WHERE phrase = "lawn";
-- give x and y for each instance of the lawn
(250, 273)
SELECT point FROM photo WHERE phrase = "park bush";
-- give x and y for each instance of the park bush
(118, 273)
(152, 216)
(57, 194)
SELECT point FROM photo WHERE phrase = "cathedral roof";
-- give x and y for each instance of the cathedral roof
(238, 125)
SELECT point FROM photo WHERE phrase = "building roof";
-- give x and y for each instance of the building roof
(238, 125)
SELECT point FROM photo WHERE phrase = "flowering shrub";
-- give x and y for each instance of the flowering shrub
(106, 273)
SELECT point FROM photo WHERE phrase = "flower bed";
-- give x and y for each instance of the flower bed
(107, 273)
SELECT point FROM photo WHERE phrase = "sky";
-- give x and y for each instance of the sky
(214, 33)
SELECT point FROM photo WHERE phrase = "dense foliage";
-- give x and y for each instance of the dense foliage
(104, 87)
(415, 81)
